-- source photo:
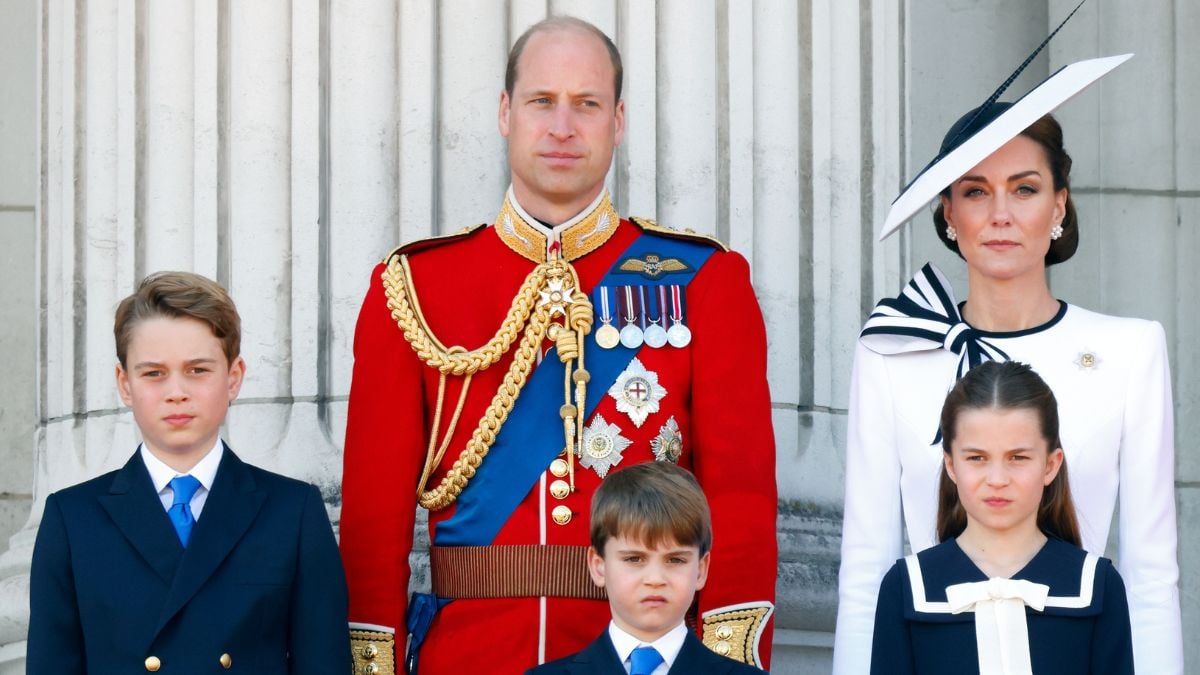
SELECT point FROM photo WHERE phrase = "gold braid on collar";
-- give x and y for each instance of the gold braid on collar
(577, 240)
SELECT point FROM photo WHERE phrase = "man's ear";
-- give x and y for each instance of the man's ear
(595, 563)
(502, 115)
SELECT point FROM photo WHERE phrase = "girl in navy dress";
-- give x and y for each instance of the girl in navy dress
(1008, 590)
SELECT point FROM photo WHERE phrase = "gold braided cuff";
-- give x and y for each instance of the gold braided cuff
(374, 652)
(734, 631)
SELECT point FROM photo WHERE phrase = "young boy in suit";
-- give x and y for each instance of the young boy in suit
(187, 560)
(651, 533)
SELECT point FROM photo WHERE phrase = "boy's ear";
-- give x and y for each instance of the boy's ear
(237, 373)
(595, 566)
(702, 578)
(123, 385)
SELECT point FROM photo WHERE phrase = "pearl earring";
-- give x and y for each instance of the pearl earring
(952, 234)
(1056, 231)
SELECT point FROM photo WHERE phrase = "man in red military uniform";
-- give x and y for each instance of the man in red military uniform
(502, 372)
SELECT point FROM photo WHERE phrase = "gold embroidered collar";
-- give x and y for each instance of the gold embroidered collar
(577, 237)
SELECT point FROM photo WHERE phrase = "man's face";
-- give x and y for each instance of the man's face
(562, 122)
(649, 587)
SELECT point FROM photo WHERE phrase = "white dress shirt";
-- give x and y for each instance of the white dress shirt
(668, 646)
(204, 471)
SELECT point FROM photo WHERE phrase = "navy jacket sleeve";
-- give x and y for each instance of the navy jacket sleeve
(55, 632)
(317, 640)
(1112, 640)
(891, 645)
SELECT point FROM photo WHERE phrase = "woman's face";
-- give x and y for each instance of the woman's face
(1003, 210)
(1001, 464)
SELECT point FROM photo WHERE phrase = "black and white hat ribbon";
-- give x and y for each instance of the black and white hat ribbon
(924, 317)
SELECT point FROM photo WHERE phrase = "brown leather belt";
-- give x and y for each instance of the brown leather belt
(512, 572)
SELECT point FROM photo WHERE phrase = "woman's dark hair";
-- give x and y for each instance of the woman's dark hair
(1047, 133)
(1006, 386)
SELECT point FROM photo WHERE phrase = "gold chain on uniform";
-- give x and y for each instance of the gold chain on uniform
(535, 321)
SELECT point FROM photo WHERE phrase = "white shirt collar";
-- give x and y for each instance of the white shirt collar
(668, 645)
(204, 471)
(552, 233)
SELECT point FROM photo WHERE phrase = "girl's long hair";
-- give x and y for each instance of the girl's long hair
(1006, 386)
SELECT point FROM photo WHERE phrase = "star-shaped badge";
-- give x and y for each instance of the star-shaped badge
(602, 446)
(668, 445)
(637, 392)
(556, 297)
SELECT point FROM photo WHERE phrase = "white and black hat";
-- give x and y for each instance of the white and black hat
(985, 129)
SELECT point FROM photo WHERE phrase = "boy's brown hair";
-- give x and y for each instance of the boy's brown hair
(652, 503)
(178, 295)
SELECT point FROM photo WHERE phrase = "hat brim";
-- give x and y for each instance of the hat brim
(1042, 99)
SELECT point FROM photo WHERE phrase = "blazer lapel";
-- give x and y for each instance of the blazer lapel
(599, 658)
(231, 507)
(694, 657)
(135, 509)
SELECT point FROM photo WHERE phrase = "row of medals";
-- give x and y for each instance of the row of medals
(640, 308)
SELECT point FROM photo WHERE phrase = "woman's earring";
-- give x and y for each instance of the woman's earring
(952, 234)
(1056, 231)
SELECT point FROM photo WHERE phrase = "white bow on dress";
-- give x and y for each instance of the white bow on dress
(1001, 632)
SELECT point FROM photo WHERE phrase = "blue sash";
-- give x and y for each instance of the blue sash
(532, 436)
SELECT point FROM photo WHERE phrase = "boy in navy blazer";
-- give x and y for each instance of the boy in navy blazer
(187, 560)
(651, 532)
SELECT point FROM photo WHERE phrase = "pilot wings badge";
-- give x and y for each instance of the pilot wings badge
(652, 266)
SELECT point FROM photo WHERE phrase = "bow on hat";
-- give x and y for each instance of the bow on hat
(1001, 632)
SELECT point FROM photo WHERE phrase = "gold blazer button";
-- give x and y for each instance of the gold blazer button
(226, 661)
(560, 489)
(558, 467)
(561, 514)
(153, 663)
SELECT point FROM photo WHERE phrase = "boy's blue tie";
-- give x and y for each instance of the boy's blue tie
(180, 512)
(644, 660)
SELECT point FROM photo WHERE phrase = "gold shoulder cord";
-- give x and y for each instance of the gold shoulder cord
(549, 291)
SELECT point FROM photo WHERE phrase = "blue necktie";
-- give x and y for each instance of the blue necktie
(180, 512)
(644, 660)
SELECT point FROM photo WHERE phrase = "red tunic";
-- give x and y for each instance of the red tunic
(717, 393)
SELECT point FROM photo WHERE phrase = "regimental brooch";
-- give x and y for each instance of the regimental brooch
(1088, 360)
(668, 445)
(637, 392)
(602, 446)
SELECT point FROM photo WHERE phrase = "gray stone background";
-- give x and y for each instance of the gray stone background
(282, 147)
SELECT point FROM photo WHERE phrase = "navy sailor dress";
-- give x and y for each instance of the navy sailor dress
(1081, 628)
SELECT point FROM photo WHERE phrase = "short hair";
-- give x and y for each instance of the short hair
(652, 503)
(562, 23)
(178, 295)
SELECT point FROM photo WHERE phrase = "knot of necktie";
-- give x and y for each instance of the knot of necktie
(180, 513)
(1001, 632)
(643, 660)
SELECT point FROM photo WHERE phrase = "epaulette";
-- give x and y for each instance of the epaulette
(686, 235)
(431, 242)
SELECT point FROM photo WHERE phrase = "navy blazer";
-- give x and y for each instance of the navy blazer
(260, 585)
(600, 658)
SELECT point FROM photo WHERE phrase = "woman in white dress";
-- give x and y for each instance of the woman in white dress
(1010, 216)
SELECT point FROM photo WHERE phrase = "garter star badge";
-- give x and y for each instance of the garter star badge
(602, 446)
(637, 392)
(668, 445)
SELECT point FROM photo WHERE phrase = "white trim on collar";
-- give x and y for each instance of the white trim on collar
(1087, 583)
(552, 233)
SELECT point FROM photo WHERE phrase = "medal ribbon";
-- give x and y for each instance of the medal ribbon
(605, 315)
(630, 316)
(523, 449)
(676, 304)
(642, 305)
